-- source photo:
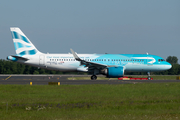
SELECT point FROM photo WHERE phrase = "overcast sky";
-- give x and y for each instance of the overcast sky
(94, 26)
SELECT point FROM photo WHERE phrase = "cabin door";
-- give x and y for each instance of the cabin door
(41, 60)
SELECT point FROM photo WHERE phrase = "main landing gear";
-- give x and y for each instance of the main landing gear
(149, 77)
(93, 77)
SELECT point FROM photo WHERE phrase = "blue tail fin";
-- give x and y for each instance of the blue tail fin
(22, 44)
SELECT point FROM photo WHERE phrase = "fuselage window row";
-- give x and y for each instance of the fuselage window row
(101, 60)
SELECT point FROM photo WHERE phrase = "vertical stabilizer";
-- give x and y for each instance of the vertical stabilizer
(22, 44)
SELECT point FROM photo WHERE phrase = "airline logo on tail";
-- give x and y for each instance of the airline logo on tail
(22, 44)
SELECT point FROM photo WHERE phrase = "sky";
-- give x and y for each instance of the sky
(93, 26)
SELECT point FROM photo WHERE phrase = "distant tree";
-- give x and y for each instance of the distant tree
(174, 70)
(172, 59)
(36, 72)
(42, 71)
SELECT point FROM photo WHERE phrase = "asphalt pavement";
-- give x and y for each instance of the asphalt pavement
(63, 79)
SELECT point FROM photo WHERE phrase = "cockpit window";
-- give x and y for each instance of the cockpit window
(160, 60)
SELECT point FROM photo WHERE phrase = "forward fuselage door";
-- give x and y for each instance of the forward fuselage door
(41, 60)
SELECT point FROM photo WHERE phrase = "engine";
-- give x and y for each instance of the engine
(113, 72)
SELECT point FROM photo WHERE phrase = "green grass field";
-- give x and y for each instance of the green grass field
(144, 101)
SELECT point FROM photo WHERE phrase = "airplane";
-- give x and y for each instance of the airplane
(111, 65)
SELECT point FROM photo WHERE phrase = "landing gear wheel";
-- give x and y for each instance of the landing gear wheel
(149, 77)
(93, 77)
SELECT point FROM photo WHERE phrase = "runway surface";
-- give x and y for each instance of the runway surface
(45, 79)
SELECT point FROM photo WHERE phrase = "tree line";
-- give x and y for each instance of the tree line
(9, 67)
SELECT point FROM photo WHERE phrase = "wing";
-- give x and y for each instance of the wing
(90, 65)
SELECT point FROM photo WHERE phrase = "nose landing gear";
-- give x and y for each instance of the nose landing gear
(149, 77)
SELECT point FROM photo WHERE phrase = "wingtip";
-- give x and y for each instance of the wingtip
(71, 50)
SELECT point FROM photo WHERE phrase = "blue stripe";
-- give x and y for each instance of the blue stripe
(28, 52)
(20, 45)
(32, 52)
(22, 53)
(18, 36)
(27, 46)
(15, 45)
(25, 39)
(15, 35)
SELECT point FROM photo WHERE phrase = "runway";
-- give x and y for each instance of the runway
(63, 79)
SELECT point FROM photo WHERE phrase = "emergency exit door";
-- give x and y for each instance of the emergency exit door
(41, 60)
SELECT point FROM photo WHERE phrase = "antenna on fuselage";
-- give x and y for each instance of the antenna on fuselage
(147, 53)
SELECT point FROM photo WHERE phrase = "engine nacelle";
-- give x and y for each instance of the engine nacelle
(113, 72)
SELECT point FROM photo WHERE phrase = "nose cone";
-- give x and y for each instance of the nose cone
(167, 66)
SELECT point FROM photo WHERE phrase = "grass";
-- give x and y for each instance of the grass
(157, 101)
(155, 77)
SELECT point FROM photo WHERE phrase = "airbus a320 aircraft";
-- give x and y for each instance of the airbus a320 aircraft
(111, 65)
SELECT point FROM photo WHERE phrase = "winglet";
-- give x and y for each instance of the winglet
(75, 55)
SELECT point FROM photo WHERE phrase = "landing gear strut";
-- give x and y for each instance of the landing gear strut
(149, 77)
(93, 77)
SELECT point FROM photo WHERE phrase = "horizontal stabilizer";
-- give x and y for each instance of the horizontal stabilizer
(20, 58)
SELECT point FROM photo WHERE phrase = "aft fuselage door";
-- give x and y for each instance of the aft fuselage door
(41, 60)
